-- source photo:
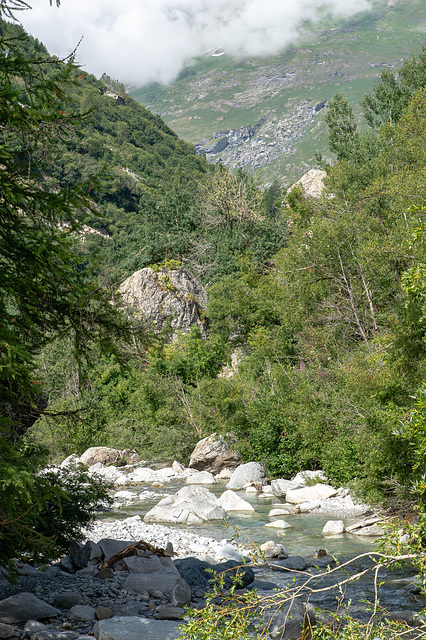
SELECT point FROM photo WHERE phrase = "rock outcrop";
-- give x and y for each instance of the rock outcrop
(159, 296)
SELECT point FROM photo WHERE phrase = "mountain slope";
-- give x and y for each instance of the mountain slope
(266, 114)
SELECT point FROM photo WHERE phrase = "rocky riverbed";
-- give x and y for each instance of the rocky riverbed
(134, 577)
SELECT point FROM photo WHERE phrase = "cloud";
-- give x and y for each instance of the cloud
(139, 41)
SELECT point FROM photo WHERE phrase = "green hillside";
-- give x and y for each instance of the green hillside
(278, 95)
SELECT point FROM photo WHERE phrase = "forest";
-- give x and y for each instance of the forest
(323, 301)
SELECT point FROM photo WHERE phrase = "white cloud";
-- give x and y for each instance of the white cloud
(138, 41)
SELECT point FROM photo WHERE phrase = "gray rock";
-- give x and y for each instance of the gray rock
(150, 564)
(103, 613)
(152, 583)
(292, 563)
(333, 528)
(230, 501)
(249, 473)
(66, 600)
(272, 549)
(165, 295)
(23, 607)
(82, 555)
(133, 628)
(82, 613)
(200, 574)
(367, 527)
(312, 183)
(110, 547)
(169, 612)
(191, 505)
(280, 486)
(107, 456)
(202, 477)
(66, 564)
(6, 631)
(54, 634)
(311, 494)
(214, 454)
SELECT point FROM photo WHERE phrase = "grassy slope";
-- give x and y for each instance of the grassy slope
(220, 93)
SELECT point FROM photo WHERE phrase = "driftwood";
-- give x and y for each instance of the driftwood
(135, 549)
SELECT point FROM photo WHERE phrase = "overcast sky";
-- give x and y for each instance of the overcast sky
(138, 41)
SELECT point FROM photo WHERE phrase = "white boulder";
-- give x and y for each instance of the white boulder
(191, 505)
(311, 494)
(230, 501)
(245, 474)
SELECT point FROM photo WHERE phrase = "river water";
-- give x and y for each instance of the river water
(302, 539)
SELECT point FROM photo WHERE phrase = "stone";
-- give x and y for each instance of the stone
(333, 528)
(108, 456)
(82, 613)
(278, 512)
(178, 467)
(280, 486)
(307, 476)
(82, 555)
(6, 631)
(271, 549)
(312, 183)
(202, 477)
(230, 501)
(200, 574)
(169, 612)
(103, 613)
(166, 295)
(135, 628)
(245, 474)
(142, 474)
(54, 634)
(214, 454)
(66, 600)
(108, 474)
(23, 607)
(150, 564)
(310, 494)
(192, 504)
(278, 524)
(153, 583)
(228, 552)
(66, 564)
(110, 547)
(71, 461)
(367, 527)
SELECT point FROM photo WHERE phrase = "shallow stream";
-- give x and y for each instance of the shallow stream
(302, 539)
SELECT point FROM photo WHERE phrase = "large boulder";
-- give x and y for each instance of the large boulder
(107, 456)
(246, 474)
(201, 575)
(280, 486)
(310, 494)
(214, 454)
(312, 183)
(191, 505)
(230, 501)
(23, 607)
(158, 296)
